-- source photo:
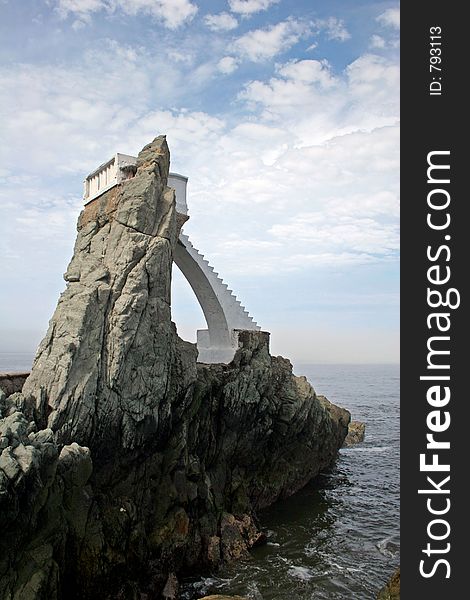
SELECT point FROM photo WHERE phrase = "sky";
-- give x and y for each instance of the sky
(283, 114)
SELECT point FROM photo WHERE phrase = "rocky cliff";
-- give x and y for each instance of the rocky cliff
(123, 460)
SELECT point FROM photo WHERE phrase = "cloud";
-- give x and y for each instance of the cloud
(221, 22)
(326, 232)
(263, 44)
(308, 71)
(376, 41)
(227, 65)
(317, 104)
(333, 28)
(172, 13)
(390, 18)
(64, 119)
(307, 170)
(250, 7)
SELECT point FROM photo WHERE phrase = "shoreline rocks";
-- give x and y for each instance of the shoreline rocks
(356, 433)
(124, 462)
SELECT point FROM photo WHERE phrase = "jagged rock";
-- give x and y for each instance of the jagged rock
(392, 590)
(356, 433)
(125, 460)
(37, 491)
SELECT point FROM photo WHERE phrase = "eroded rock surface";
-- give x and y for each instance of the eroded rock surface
(123, 462)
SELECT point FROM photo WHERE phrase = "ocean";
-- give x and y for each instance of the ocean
(338, 538)
(16, 361)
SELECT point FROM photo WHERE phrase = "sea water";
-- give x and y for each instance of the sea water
(16, 361)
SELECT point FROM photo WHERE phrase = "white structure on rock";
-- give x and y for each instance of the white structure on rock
(223, 312)
(111, 173)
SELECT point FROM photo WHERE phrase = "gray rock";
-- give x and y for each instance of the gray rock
(356, 433)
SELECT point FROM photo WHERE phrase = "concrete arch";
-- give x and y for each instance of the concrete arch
(218, 330)
(222, 310)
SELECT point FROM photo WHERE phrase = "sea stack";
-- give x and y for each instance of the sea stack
(125, 462)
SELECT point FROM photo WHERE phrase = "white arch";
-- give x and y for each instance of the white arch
(222, 310)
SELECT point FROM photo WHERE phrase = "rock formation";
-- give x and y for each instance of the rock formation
(356, 433)
(123, 461)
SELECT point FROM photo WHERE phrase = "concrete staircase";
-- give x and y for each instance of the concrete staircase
(236, 314)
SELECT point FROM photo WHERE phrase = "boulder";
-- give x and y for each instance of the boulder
(356, 433)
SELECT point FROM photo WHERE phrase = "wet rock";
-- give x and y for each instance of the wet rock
(356, 433)
(392, 590)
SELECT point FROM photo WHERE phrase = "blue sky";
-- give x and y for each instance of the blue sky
(285, 117)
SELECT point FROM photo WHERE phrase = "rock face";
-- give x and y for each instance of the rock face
(356, 433)
(123, 461)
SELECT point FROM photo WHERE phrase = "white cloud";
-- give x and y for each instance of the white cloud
(333, 28)
(374, 80)
(65, 119)
(308, 71)
(376, 41)
(390, 18)
(172, 13)
(309, 173)
(326, 232)
(317, 104)
(227, 65)
(81, 6)
(250, 7)
(178, 56)
(221, 22)
(263, 44)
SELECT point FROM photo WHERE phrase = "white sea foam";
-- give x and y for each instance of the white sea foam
(387, 547)
(365, 449)
(302, 573)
